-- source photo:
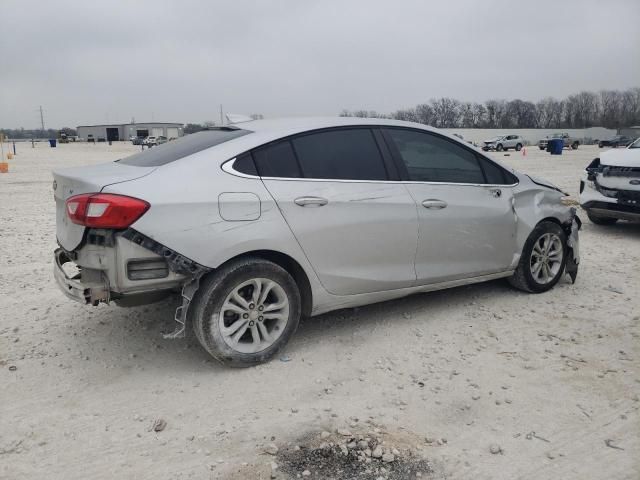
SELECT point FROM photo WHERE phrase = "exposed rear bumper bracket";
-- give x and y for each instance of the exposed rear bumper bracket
(177, 263)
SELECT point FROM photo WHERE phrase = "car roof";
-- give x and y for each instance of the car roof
(280, 127)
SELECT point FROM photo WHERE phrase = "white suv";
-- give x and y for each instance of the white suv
(610, 188)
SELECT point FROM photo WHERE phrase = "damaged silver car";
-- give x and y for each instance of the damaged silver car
(258, 224)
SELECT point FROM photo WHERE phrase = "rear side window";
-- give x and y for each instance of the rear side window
(276, 160)
(182, 147)
(495, 174)
(346, 154)
(430, 158)
(244, 164)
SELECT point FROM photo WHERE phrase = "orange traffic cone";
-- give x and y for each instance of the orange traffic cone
(4, 167)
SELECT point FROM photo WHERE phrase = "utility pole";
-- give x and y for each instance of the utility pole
(221, 116)
(41, 119)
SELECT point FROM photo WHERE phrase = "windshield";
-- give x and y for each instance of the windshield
(182, 147)
(635, 144)
(556, 135)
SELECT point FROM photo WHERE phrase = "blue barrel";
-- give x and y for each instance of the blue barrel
(52, 142)
(557, 144)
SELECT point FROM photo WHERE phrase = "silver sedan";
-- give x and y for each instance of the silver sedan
(257, 224)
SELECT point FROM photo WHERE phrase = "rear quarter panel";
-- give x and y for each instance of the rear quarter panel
(185, 214)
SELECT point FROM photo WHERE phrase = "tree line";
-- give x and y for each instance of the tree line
(606, 108)
(21, 133)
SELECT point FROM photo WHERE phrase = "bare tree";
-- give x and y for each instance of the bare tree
(424, 114)
(446, 112)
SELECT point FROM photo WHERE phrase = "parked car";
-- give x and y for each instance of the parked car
(567, 140)
(462, 138)
(616, 141)
(149, 141)
(160, 140)
(137, 141)
(259, 225)
(610, 188)
(503, 142)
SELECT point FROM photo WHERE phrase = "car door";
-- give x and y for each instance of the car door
(466, 221)
(358, 229)
(508, 142)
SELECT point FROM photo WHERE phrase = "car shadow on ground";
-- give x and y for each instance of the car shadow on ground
(402, 310)
(134, 335)
(621, 227)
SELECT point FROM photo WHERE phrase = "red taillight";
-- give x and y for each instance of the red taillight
(105, 210)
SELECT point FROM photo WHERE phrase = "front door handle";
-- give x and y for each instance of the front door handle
(311, 201)
(496, 192)
(434, 204)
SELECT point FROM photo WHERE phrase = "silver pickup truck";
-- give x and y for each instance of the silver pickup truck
(566, 139)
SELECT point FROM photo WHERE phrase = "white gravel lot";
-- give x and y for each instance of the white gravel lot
(551, 379)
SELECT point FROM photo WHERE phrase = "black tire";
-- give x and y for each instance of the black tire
(601, 220)
(518, 147)
(574, 146)
(214, 290)
(523, 278)
(542, 148)
(600, 145)
(499, 147)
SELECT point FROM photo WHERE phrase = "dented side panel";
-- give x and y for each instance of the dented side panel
(534, 203)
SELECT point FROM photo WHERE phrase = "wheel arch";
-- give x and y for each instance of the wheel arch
(291, 266)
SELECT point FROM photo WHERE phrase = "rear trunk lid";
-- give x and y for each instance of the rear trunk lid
(68, 182)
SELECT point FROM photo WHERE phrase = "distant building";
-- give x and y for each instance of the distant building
(120, 131)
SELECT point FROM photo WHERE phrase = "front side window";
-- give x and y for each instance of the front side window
(345, 154)
(430, 158)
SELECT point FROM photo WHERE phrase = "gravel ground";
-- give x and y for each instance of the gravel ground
(482, 382)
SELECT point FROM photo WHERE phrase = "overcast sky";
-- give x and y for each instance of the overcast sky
(108, 61)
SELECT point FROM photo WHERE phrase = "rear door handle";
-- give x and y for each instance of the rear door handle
(434, 204)
(496, 192)
(311, 201)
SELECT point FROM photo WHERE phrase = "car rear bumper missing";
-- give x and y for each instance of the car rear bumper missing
(87, 287)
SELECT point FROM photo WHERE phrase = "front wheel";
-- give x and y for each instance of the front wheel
(244, 313)
(543, 259)
(574, 146)
(499, 148)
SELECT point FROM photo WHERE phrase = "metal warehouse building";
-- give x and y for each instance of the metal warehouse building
(115, 132)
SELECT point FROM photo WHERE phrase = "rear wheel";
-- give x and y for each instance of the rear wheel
(543, 259)
(601, 220)
(518, 147)
(574, 146)
(246, 312)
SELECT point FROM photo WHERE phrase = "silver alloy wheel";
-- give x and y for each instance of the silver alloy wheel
(546, 258)
(254, 315)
